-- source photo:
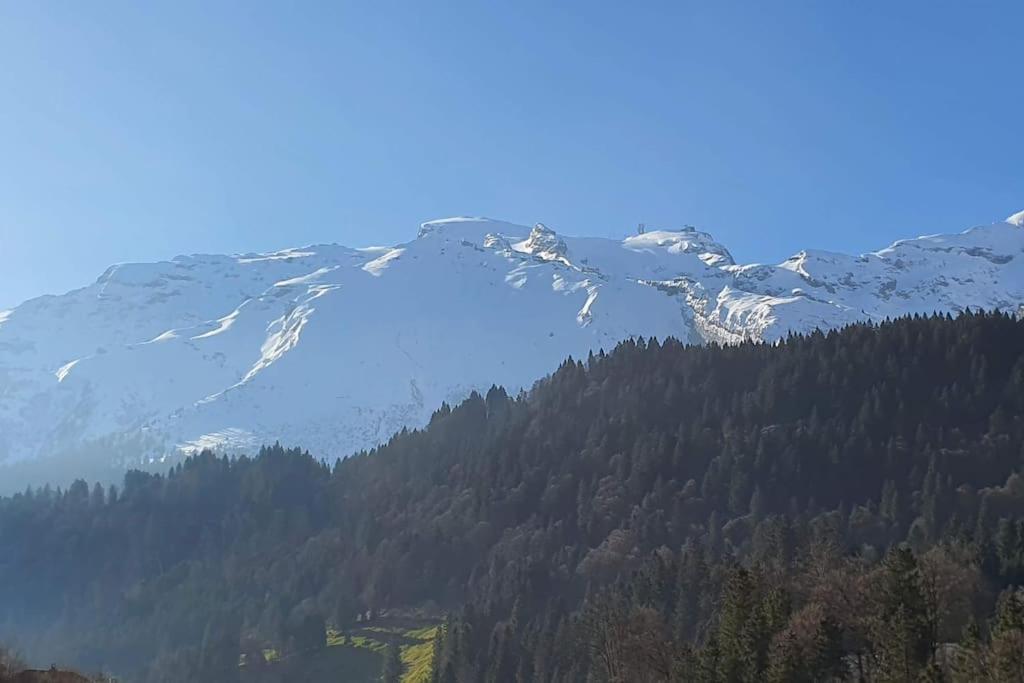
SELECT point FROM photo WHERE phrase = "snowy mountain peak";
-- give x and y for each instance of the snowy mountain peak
(687, 240)
(462, 227)
(545, 244)
(337, 348)
(1016, 219)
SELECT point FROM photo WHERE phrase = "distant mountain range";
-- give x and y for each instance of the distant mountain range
(336, 348)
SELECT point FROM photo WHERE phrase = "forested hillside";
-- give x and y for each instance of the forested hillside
(840, 505)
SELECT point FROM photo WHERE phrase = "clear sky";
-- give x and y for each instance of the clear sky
(138, 131)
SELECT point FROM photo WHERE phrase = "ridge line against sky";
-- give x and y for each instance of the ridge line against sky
(1016, 219)
(135, 133)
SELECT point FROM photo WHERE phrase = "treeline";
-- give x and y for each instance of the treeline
(840, 505)
(800, 607)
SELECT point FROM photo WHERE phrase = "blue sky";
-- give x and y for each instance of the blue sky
(138, 131)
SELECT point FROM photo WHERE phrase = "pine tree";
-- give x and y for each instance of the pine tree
(1007, 659)
(901, 630)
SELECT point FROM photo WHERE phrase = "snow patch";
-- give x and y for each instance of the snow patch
(232, 437)
(284, 336)
(377, 266)
(223, 325)
(285, 255)
(317, 291)
(64, 370)
(306, 279)
(585, 315)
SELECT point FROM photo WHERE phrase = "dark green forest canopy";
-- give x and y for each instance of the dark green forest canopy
(540, 520)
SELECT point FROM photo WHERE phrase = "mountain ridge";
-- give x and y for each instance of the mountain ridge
(338, 347)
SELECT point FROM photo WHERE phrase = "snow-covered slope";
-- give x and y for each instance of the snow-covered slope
(337, 348)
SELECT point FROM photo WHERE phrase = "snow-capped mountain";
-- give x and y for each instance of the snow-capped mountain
(337, 348)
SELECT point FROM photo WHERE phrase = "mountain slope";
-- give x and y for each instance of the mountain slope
(337, 348)
(787, 458)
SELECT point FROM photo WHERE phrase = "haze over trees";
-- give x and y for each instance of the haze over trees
(842, 505)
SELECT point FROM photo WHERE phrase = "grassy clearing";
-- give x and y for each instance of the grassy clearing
(416, 645)
(419, 658)
(356, 655)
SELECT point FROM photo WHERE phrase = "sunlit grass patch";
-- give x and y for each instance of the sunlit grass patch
(416, 646)
(418, 659)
